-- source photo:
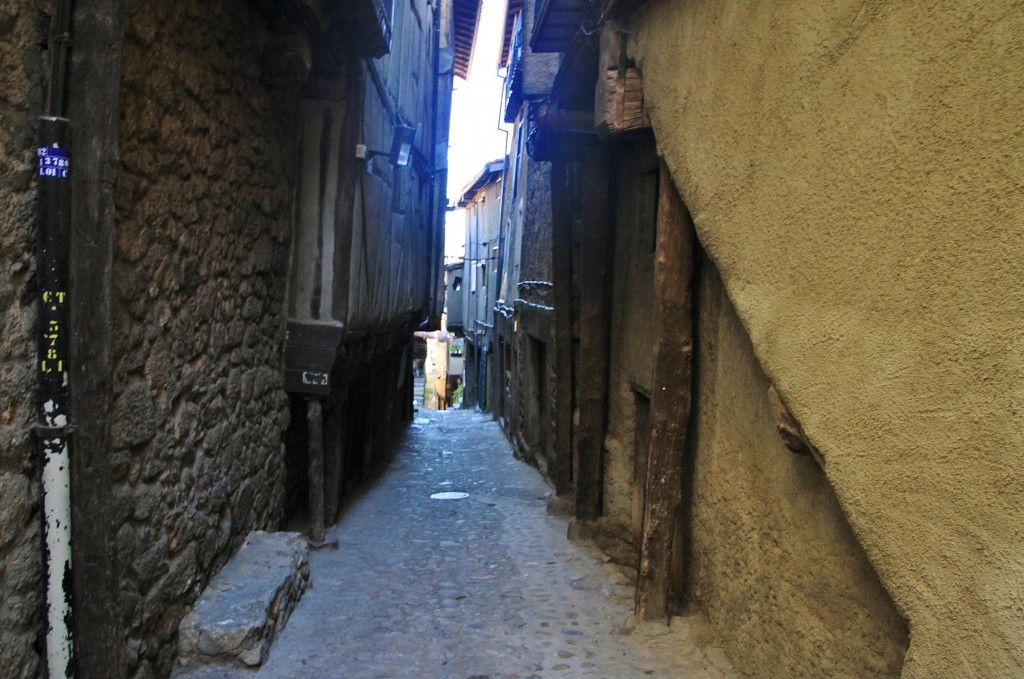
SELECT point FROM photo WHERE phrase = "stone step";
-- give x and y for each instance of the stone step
(245, 605)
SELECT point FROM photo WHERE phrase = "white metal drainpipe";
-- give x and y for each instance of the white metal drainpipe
(53, 202)
(57, 513)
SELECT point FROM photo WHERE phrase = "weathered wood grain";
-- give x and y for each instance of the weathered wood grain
(94, 108)
(670, 400)
(595, 311)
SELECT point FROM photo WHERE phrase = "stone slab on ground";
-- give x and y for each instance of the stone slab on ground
(245, 605)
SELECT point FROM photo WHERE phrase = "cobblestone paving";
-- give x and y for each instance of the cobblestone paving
(485, 587)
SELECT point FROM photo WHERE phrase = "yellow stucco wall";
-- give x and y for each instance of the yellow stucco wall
(855, 170)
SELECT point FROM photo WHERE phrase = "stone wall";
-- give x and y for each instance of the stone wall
(202, 240)
(534, 202)
(771, 558)
(526, 337)
(23, 28)
(539, 67)
(854, 171)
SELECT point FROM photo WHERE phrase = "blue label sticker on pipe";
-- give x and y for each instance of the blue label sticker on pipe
(53, 162)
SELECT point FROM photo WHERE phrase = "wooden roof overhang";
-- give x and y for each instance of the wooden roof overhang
(467, 20)
(557, 21)
(360, 27)
(574, 83)
(561, 23)
(512, 9)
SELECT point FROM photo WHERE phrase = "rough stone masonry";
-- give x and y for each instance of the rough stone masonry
(201, 255)
(23, 26)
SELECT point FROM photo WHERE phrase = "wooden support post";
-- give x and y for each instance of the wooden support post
(94, 106)
(670, 400)
(594, 316)
(407, 384)
(394, 397)
(498, 402)
(641, 451)
(560, 466)
(369, 423)
(354, 431)
(334, 457)
(315, 420)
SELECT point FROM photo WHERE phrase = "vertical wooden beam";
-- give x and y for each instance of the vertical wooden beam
(407, 384)
(594, 316)
(345, 199)
(560, 464)
(315, 421)
(94, 110)
(355, 431)
(671, 398)
(334, 455)
(324, 159)
(498, 408)
(515, 415)
(641, 451)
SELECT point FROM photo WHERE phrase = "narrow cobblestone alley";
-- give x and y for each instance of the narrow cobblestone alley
(486, 586)
(719, 305)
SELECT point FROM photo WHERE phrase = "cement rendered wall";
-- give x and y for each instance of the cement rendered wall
(854, 171)
(23, 28)
(770, 556)
(203, 222)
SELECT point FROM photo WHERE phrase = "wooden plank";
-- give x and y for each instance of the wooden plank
(315, 336)
(641, 451)
(618, 95)
(560, 465)
(594, 328)
(315, 422)
(94, 108)
(310, 351)
(324, 158)
(345, 198)
(670, 400)
(334, 456)
(559, 20)
(307, 381)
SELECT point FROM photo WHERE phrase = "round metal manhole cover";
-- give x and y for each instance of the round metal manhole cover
(449, 495)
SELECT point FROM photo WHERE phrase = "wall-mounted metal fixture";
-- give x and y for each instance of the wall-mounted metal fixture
(401, 147)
